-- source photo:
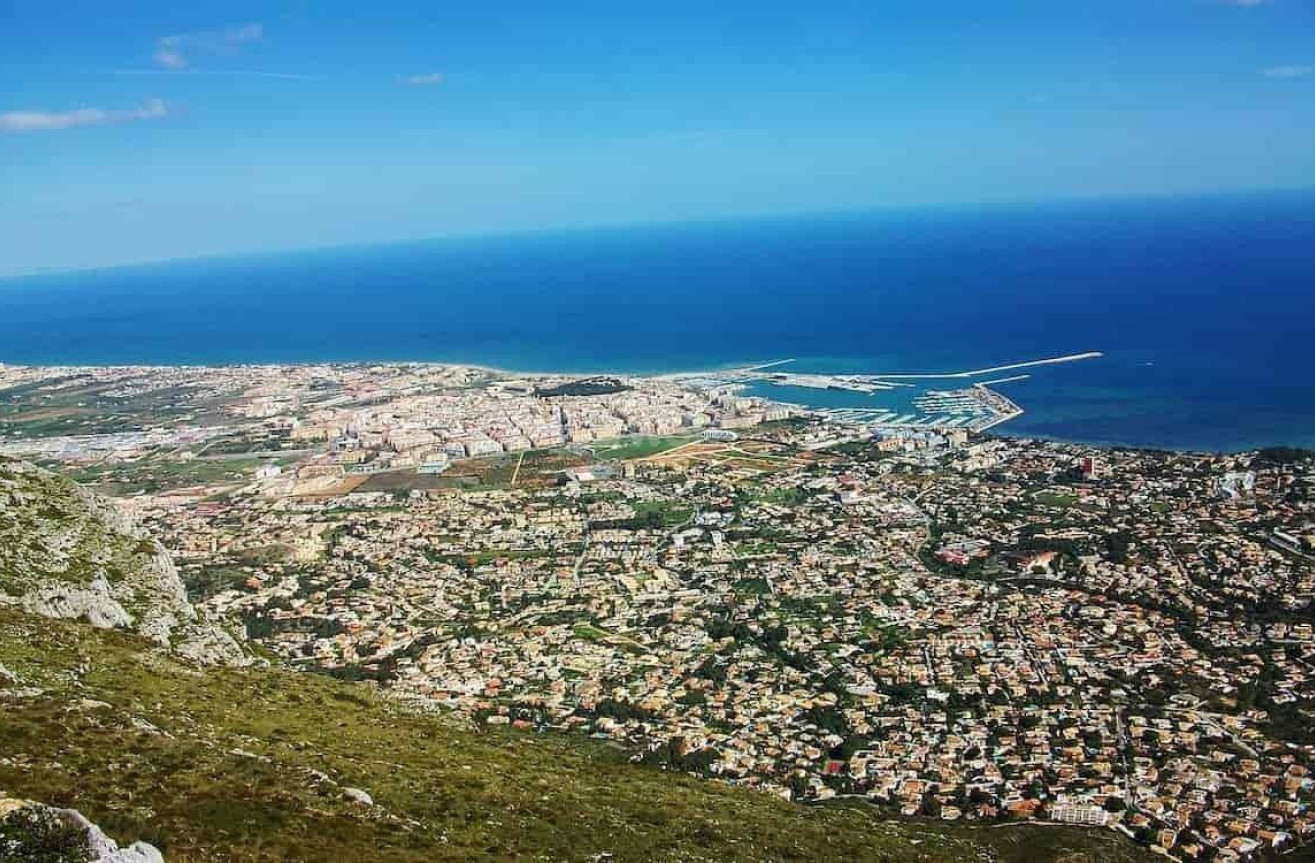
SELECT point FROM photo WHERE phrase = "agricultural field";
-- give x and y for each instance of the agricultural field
(639, 446)
(67, 407)
(532, 469)
(165, 472)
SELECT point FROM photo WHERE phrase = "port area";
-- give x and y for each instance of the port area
(976, 408)
(856, 384)
(905, 402)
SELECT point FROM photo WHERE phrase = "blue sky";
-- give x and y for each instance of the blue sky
(166, 130)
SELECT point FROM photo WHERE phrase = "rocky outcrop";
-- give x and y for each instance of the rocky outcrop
(31, 831)
(357, 796)
(67, 553)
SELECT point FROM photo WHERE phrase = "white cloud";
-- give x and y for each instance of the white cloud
(1291, 71)
(40, 121)
(172, 51)
(221, 73)
(168, 53)
(1246, 3)
(432, 79)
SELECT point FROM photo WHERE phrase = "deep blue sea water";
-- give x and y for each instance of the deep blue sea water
(1205, 308)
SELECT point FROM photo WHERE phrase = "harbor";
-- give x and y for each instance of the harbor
(906, 403)
(975, 409)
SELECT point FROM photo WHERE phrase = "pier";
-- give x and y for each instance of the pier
(876, 381)
(972, 373)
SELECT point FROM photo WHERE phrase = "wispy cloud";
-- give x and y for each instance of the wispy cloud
(169, 54)
(1246, 3)
(175, 50)
(223, 73)
(42, 121)
(1290, 71)
(431, 79)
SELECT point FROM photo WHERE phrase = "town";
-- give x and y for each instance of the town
(937, 623)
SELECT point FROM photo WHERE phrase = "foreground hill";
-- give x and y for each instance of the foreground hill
(254, 764)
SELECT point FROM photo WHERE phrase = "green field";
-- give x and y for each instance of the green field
(661, 513)
(589, 632)
(639, 446)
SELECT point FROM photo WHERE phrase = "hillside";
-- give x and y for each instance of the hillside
(255, 764)
(66, 553)
(121, 721)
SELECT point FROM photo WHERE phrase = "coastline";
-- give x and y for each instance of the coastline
(734, 376)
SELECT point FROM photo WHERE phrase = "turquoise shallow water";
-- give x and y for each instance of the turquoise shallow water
(1203, 308)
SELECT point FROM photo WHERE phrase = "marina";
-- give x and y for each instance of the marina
(973, 408)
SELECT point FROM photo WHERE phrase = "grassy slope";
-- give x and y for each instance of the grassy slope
(442, 792)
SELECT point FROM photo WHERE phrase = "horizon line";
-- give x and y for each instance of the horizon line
(749, 216)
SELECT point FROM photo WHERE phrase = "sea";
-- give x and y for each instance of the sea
(1203, 307)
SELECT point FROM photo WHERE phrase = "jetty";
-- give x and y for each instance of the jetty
(973, 373)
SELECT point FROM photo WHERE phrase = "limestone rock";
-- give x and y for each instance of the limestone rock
(67, 553)
(356, 795)
(103, 849)
(28, 828)
(94, 603)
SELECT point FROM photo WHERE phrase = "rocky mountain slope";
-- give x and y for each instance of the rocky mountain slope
(66, 553)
